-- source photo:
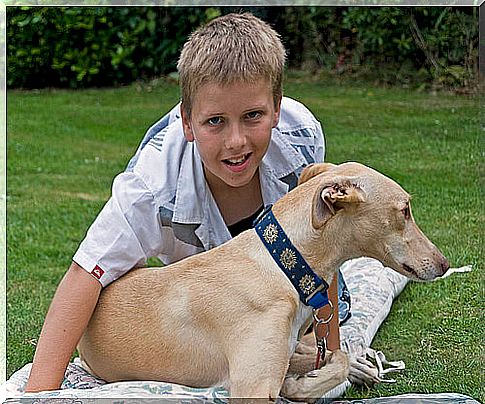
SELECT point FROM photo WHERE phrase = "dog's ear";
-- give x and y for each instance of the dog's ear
(314, 169)
(330, 198)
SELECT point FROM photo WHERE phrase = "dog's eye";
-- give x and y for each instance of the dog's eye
(406, 212)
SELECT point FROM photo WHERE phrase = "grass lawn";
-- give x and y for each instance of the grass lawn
(65, 147)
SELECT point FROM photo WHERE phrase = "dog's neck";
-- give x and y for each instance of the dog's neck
(321, 249)
(310, 286)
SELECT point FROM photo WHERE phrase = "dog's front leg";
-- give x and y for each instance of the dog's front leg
(260, 379)
(314, 385)
(258, 363)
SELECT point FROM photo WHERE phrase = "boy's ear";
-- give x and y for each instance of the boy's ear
(276, 117)
(187, 127)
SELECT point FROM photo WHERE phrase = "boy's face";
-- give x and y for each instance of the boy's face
(231, 126)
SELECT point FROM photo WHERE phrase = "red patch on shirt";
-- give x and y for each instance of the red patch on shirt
(97, 272)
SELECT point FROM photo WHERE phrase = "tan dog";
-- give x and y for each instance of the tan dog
(230, 316)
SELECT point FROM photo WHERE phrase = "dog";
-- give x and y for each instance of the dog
(231, 317)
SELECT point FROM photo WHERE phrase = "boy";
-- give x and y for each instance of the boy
(199, 177)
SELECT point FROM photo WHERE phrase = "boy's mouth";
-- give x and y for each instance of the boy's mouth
(238, 161)
(237, 164)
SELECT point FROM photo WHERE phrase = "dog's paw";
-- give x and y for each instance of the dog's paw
(314, 384)
(337, 357)
(363, 372)
(336, 367)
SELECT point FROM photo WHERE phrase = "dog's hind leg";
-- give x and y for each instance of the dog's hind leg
(315, 384)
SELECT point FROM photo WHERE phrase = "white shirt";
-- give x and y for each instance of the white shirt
(161, 206)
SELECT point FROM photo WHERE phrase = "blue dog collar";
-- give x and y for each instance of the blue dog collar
(311, 288)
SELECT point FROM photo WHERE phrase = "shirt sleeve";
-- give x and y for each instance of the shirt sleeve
(125, 233)
(319, 143)
(303, 130)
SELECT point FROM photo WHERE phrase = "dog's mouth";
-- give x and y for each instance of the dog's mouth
(411, 271)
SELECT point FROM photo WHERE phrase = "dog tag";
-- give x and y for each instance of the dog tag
(321, 350)
(322, 347)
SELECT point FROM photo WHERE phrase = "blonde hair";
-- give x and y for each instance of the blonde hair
(231, 48)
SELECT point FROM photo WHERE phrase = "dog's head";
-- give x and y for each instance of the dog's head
(371, 214)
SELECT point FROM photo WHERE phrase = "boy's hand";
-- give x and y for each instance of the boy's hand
(66, 320)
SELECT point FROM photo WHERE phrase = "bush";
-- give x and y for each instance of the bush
(440, 42)
(95, 46)
(104, 46)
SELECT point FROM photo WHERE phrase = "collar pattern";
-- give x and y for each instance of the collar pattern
(310, 287)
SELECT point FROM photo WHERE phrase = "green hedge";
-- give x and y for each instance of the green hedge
(95, 46)
(104, 46)
(437, 44)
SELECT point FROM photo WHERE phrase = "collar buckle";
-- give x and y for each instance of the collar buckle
(319, 297)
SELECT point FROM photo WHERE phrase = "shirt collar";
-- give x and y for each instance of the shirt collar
(194, 203)
(191, 187)
(193, 195)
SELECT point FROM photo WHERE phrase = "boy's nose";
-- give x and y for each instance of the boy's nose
(235, 138)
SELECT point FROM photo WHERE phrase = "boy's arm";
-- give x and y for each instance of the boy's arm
(66, 320)
(124, 232)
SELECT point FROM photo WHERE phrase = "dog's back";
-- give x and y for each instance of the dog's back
(177, 323)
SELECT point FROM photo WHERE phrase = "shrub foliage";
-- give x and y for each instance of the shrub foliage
(103, 46)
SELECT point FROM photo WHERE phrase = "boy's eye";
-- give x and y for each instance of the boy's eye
(215, 120)
(253, 115)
